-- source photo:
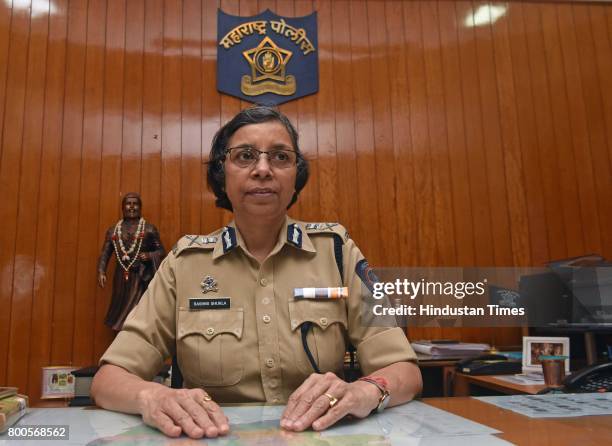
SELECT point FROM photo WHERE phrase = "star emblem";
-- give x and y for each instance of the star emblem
(267, 61)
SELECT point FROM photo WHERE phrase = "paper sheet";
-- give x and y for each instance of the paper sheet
(525, 380)
(554, 405)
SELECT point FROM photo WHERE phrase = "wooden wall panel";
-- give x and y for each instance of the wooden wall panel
(13, 265)
(602, 113)
(343, 85)
(535, 212)
(152, 110)
(554, 199)
(436, 140)
(112, 137)
(211, 110)
(69, 201)
(400, 121)
(5, 28)
(328, 162)
(563, 149)
(382, 134)
(455, 117)
(362, 140)
(46, 260)
(29, 183)
(84, 337)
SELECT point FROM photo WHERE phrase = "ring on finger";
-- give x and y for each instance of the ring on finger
(205, 399)
(332, 400)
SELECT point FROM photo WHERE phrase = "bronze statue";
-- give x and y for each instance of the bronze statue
(138, 251)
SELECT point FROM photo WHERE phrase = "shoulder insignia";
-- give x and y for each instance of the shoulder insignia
(320, 226)
(365, 273)
(327, 228)
(294, 235)
(194, 242)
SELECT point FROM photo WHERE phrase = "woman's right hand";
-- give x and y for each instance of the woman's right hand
(173, 411)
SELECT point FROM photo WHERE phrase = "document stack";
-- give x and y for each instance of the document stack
(449, 348)
(12, 407)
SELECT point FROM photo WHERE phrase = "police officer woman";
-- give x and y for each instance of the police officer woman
(258, 311)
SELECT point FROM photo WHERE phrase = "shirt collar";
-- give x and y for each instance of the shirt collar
(292, 233)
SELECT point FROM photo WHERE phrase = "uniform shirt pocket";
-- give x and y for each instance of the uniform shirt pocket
(326, 339)
(208, 346)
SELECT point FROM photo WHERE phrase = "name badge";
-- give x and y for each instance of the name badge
(218, 303)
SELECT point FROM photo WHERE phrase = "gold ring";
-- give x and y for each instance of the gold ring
(206, 399)
(332, 400)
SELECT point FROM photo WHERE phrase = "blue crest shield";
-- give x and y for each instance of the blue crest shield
(266, 58)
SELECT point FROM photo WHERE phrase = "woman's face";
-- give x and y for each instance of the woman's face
(260, 190)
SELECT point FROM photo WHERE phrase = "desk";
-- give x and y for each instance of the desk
(595, 430)
(394, 427)
(447, 368)
(462, 382)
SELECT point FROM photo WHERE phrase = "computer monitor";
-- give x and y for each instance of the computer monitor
(547, 299)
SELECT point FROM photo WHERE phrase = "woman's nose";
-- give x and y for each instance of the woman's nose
(262, 165)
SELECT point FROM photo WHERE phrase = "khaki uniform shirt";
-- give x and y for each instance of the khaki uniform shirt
(250, 349)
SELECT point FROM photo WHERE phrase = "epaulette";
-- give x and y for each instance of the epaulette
(194, 242)
(327, 228)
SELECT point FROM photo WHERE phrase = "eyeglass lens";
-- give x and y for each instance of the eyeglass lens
(247, 156)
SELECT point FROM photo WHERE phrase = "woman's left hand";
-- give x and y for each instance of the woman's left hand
(322, 400)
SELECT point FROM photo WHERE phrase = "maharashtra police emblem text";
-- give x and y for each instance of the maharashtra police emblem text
(267, 59)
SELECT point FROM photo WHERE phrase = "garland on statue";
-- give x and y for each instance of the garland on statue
(124, 258)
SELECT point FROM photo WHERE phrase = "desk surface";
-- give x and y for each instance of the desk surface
(492, 382)
(414, 423)
(255, 425)
(593, 430)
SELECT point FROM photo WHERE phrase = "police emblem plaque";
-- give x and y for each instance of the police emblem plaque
(266, 58)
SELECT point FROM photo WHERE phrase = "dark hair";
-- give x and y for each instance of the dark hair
(256, 114)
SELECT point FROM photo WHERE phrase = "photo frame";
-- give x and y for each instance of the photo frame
(534, 346)
(57, 382)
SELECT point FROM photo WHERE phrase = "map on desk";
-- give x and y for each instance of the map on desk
(554, 405)
(415, 423)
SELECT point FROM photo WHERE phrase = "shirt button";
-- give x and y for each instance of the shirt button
(323, 321)
(266, 318)
(210, 330)
(275, 400)
(263, 281)
(273, 384)
(270, 362)
(265, 300)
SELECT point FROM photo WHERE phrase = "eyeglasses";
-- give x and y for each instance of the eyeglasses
(246, 156)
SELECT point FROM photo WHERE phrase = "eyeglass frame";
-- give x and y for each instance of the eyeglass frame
(259, 153)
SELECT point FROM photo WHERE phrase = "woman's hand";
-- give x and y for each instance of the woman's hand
(322, 400)
(173, 411)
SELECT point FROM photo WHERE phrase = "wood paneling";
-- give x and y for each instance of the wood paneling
(434, 141)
